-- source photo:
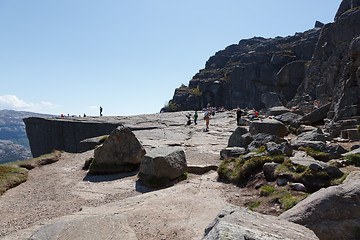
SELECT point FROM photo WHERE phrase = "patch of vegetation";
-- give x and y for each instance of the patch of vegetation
(34, 162)
(88, 163)
(283, 196)
(102, 140)
(300, 168)
(14, 173)
(336, 163)
(340, 180)
(315, 173)
(286, 168)
(195, 91)
(311, 178)
(353, 159)
(11, 177)
(260, 150)
(294, 130)
(253, 205)
(358, 128)
(239, 170)
(288, 201)
(266, 190)
(172, 107)
(316, 154)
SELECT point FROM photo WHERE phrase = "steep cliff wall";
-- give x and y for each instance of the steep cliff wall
(241, 73)
(333, 74)
(47, 134)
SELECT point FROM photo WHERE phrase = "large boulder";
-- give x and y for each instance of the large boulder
(240, 138)
(289, 118)
(316, 116)
(261, 139)
(240, 223)
(315, 135)
(277, 149)
(162, 164)
(268, 126)
(275, 111)
(300, 158)
(318, 145)
(236, 139)
(232, 152)
(333, 212)
(269, 169)
(121, 152)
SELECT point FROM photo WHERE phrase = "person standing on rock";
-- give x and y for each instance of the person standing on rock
(207, 119)
(195, 117)
(238, 115)
(101, 111)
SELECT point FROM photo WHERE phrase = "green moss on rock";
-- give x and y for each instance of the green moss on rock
(240, 170)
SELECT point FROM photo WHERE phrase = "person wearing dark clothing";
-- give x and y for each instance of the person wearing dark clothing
(101, 111)
(238, 115)
(195, 117)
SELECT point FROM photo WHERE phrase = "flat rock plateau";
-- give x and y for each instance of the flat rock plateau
(62, 192)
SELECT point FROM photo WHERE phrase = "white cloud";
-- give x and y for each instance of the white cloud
(12, 102)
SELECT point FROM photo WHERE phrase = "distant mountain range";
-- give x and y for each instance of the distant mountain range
(14, 144)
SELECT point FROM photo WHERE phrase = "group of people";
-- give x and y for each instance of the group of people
(208, 112)
(101, 110)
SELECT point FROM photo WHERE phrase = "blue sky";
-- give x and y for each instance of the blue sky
(71, 56)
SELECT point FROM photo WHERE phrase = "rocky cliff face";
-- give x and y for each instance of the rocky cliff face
(333, 75)
(47, 134)
(320, 64)
(241, 73)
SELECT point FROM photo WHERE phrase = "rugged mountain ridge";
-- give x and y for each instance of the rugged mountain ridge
(320, 64)
(241, 73)
(12, 152)
(14, 144)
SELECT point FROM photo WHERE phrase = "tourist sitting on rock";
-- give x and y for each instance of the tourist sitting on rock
(189, 119)
(256, 114)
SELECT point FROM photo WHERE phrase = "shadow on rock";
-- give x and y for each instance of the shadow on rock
(108, 177)
(139, 187)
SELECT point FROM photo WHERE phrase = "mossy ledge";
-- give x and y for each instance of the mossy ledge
(14, 173)
(239, 170)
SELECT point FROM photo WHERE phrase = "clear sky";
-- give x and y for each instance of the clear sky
(71, 56)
